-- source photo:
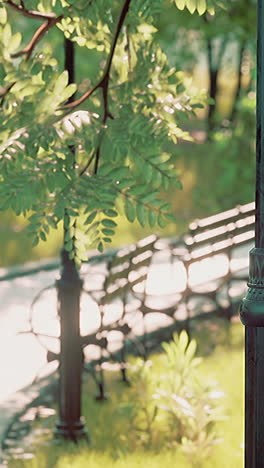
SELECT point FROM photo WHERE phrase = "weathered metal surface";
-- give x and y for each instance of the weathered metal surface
(69, 286)
(252, 307)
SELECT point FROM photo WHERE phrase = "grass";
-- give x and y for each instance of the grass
(222, 349)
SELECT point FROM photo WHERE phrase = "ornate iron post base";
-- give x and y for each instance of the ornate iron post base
(252, 315)
(252, 307)
(74, 432)
(69, 286)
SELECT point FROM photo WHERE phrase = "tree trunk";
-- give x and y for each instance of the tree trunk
(239, 81)
(213, 75)
(214, 67)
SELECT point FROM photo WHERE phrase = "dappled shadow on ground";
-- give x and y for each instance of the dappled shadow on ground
(35, 425)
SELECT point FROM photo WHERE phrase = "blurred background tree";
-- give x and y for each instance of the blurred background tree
(217, 168)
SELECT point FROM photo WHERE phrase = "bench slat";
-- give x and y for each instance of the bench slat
(223, 218)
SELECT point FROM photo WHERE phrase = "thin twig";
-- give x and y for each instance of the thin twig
(83, 98)
(41, 31)
(87, 164)
(103, 83)
(30, 13)
(97, 157)
(5, 90)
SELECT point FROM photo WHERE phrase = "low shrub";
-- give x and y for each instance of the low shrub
(174, 406)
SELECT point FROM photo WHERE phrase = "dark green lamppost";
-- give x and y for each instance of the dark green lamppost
(252, 308)
(69, 287)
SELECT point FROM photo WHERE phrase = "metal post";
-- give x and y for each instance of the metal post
(70, 425)
(252, 307)
(69, 286)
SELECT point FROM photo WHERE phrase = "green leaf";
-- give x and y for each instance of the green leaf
(152, 218)
(100, 246)
(61, 83)
(68, 92)
(35, 217)
(148, 173)
(80, 236)
(71, 212)
(68, 245)
(211, 10)
(201, 6)
(6, 34)
(165, 206)
(130, 210)
(3, 16)
(183, 340)
(33, 227)
(170, 217)
(141, 214)
(107, 239)
(81, 41)
(90, 218)
(111, 213)
(178, 184)
(109, 223)
(43, 235)
(146, 28)
(198, 106)
(149, 197)
(157, 179)
(191, 5)
(46, 228)
(28, 90)
(78, 262)
(180, 4)
(71, 255)
(108, 232)
(14, 42)
(118, 173)
(69, 234)
(52, 222)
(161, 221)
(35, 242)
(190, 351)
(137, 190)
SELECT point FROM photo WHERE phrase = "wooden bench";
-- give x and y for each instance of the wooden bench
(209, 237)
(121, 279)
(125, 270)
(124, 279)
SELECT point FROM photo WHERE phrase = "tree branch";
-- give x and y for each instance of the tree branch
(97, 157)
(104, 82)
(4, 92)
(84, 169)
(30, 13)
(41, 31)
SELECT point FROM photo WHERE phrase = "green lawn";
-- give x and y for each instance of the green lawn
(112, 443)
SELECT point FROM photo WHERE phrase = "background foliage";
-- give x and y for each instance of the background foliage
(161, 53)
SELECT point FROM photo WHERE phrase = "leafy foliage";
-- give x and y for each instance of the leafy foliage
(80, 158)
(179, 409)
(227, 40)
(201, 6)
(230, 141)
